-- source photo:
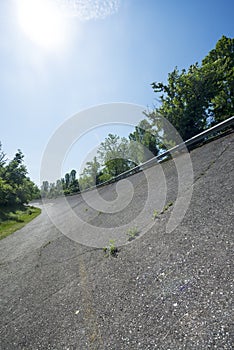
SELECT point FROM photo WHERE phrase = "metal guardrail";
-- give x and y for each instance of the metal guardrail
(190, 142)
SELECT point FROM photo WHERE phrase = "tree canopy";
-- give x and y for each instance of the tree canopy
(202, 95)
(16, 188)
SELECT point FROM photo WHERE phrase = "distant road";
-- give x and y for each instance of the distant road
(163, 291)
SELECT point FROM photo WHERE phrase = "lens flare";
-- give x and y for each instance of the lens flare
(42, 22)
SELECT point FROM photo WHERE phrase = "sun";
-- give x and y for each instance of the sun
(42, 21)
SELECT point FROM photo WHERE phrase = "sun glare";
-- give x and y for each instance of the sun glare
(42, 22)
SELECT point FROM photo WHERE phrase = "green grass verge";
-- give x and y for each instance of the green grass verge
(13, 219)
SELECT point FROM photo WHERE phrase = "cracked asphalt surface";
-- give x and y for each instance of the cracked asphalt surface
(166, 291)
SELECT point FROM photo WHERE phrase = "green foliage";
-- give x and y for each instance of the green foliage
(15, 187)
(67, 179)
(105, 175)
(111, 249)
(132, 233)
(155, 214)
(203, 94)
(145, 142)
(85, 182)
(114, 154)
(66, 186)
(184, 102)
(116, 166)
(91, 174)
(14, 218)
(220, 64)
(92, 170)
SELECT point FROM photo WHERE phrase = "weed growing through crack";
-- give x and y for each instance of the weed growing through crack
(166, 207)
(155, 214)
(111, 249)
(132, 233)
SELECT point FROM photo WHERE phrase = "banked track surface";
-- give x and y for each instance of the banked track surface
(163, 291)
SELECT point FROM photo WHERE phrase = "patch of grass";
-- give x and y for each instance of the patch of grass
(13, 219)
(132, 233)
(111, 249)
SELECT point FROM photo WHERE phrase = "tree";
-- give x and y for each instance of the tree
(2, 157)
(14, 176)
(192, 99)
(15, 187)
(220, 63)
(69, 185)
(72, 176)
(7, 194)
(59, 188)
(92, 170)
(145, 142)
(44, 189)
(184, 102)
(15, 171)
(114, 155)
(73, 182)
(85, 182)
(62, 186)
(67, 180)
(117, 166)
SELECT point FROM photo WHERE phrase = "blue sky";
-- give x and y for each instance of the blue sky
(103, 56)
